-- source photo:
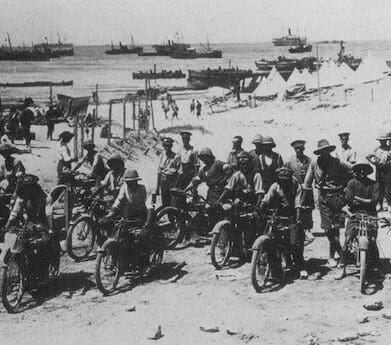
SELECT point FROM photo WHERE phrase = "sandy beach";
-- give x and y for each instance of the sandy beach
(188, 292)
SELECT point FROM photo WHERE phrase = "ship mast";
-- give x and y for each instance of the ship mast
(9, 41)
(132, 40)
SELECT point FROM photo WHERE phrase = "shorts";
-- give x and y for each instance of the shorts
(330, 207)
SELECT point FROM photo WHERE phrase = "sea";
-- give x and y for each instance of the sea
(90, 66)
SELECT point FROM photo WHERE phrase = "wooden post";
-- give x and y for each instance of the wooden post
(94, 114)
(109, 131)
(51, 94)
(372, 95)
(81, 135)
(138, 116)
(134, 114)
(124, 118)
(317, 60)
(152, 116)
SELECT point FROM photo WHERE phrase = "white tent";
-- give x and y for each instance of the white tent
(295, 78)
(370, 69)
(329, 75)
(310, 80)
(345, 71)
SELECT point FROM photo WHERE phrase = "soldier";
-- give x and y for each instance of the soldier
(189, 161)
(268, 163)
(93, 161)
(380, 158)
(345, 153)
(232, 160)
(286, 195)
(212, 174)
(168, 170)
(256, 153)
(299, 165)
(331, 176)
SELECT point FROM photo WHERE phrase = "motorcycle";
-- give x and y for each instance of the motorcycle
(233, 235)
(29, 261)
(359, 247)
(189, 212)
(129, 250)
(86, 230)
(271, 251)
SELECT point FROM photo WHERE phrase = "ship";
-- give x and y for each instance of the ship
(123, 49)
(11, 53)
(302, 48)
(289, 40)
(159, 75)
(227, 78)
(56, 49)
(170, 48)
(191, 53)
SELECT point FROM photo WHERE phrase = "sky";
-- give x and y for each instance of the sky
(95, 22)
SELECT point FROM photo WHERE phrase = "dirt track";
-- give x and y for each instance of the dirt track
(188, 293)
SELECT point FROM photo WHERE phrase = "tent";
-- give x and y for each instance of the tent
(329, 75)
(271, 85)
(370, 69)
(309, 80)
(345, 71)
(295, 78)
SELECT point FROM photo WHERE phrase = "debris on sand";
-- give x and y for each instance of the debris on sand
(348, 337)
(158, 334)
(373, 305)
(130, 309)
(231, 332)
(362, 319)
(209, 330)
(386, 314)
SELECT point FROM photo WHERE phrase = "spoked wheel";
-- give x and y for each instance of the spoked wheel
(260, 266)
(108, 267)
(363, 270)
(80, 239)
(171, 225)
(221, 246)
(155, 260)
(12, 284)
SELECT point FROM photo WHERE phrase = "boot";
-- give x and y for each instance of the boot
(341, 273)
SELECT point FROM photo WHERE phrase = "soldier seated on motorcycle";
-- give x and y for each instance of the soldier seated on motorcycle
(286, 195)
(244, 184)
(114, 178)
(361, 196)
(214, 176)
(131, 201)
(30, 203)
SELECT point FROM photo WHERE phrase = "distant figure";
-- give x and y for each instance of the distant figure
(165, 108)
(175, 109)
(26, 117)
(198, 106)
(12, 124)
(192, 107)
(50, 122)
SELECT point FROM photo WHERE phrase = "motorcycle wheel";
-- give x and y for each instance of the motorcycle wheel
(363, 270)
(155, 260)
(260, 266)
(169, 220)
(80, 238)
(108, 267)
(221, 247)
(12, 284)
